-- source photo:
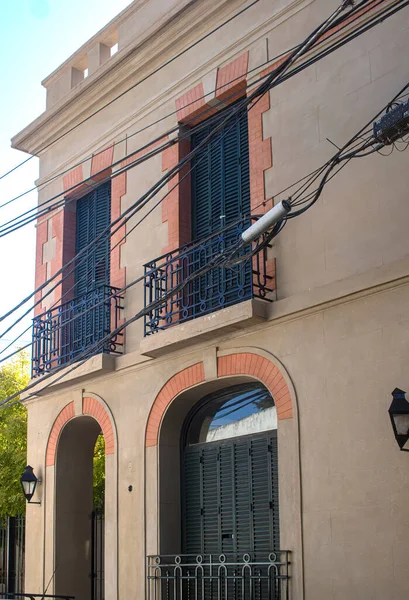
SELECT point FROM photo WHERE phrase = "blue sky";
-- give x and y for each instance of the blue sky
(36, 36)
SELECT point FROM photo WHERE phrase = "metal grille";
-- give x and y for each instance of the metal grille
(63, 333)
(219, 577)
(97, 555)
(218, 288)
(12, 547)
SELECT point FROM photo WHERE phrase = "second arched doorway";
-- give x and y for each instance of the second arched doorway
(219, 522)
(229, 475)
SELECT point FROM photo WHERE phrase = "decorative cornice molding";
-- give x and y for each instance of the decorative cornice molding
(130, 63)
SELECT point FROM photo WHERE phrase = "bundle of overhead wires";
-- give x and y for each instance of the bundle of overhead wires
(301, 200)
(359, 11)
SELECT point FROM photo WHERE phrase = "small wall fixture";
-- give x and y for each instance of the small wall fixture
(29, 483)
(399, 414)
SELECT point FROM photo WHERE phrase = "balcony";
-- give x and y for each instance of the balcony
(218, 288)
(63, 333)
(219, 577)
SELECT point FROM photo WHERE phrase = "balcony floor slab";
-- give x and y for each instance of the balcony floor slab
(204, 328)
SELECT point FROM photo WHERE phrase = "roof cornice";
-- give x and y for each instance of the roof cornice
(134, 61)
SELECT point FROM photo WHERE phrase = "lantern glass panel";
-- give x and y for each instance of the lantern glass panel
(401, 424)
(28, 487)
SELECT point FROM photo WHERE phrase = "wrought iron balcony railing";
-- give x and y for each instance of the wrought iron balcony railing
(63, 333)
(219, 577)
(218, 288)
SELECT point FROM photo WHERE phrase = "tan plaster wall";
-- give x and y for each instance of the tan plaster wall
(357, 224)
(343, 360)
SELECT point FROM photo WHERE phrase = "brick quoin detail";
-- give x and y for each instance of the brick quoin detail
(176, 207)
(193, 103)
(95, 409)
(73, 184)
(118, 189)
(261, 159)
(178, 383)
(264, 370)
(41, 268)
(90, 407)
(232, 79)
(230, 85)
(101, 163)
(65, 415)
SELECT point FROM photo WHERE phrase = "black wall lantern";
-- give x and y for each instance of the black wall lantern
(29, 483)
(399, 414)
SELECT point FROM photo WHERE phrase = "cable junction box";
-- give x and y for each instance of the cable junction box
(393, 125)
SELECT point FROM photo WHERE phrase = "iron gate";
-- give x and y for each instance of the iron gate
(97, 555)
(12, 543)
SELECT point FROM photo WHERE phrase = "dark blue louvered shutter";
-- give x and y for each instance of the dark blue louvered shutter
(93, 217)
(220, 196)
(92, 321)
(220, 178)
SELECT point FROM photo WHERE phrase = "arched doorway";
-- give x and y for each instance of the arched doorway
(69, 501)
(74, 524)
(219, 523)
(229, 474)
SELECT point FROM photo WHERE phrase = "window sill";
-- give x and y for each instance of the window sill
(203, 328)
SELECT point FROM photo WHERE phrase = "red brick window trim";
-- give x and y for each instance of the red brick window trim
(192, 107)
(55, 244)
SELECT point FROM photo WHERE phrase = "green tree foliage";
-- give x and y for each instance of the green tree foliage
(99, 473)
(13, 436)
(13, 443)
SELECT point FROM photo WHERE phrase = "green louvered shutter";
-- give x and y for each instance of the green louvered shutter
(220, 178)
(230, 496)
(93, 272)
(220, 196)
(93, 217)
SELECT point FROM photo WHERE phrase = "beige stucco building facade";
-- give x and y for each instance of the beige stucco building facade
(330, 347)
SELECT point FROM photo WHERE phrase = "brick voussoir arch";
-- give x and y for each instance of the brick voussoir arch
(243, 363)
(178, 383)
(248, 363)
(90, 407)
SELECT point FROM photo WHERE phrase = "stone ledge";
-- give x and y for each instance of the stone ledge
(101, 363)
(203, 328)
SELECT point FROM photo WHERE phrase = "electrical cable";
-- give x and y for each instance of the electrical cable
(357, 9)
(349, 20)
(255, 96)
(139, 82)
(216, 262)
(260, 205)
(266, 86)
(169, 132)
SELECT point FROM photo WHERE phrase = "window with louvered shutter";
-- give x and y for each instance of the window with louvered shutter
(220, 196)
(93, 217)
(92, 320)
(230, 484)
(220, 178)
(230, 494)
